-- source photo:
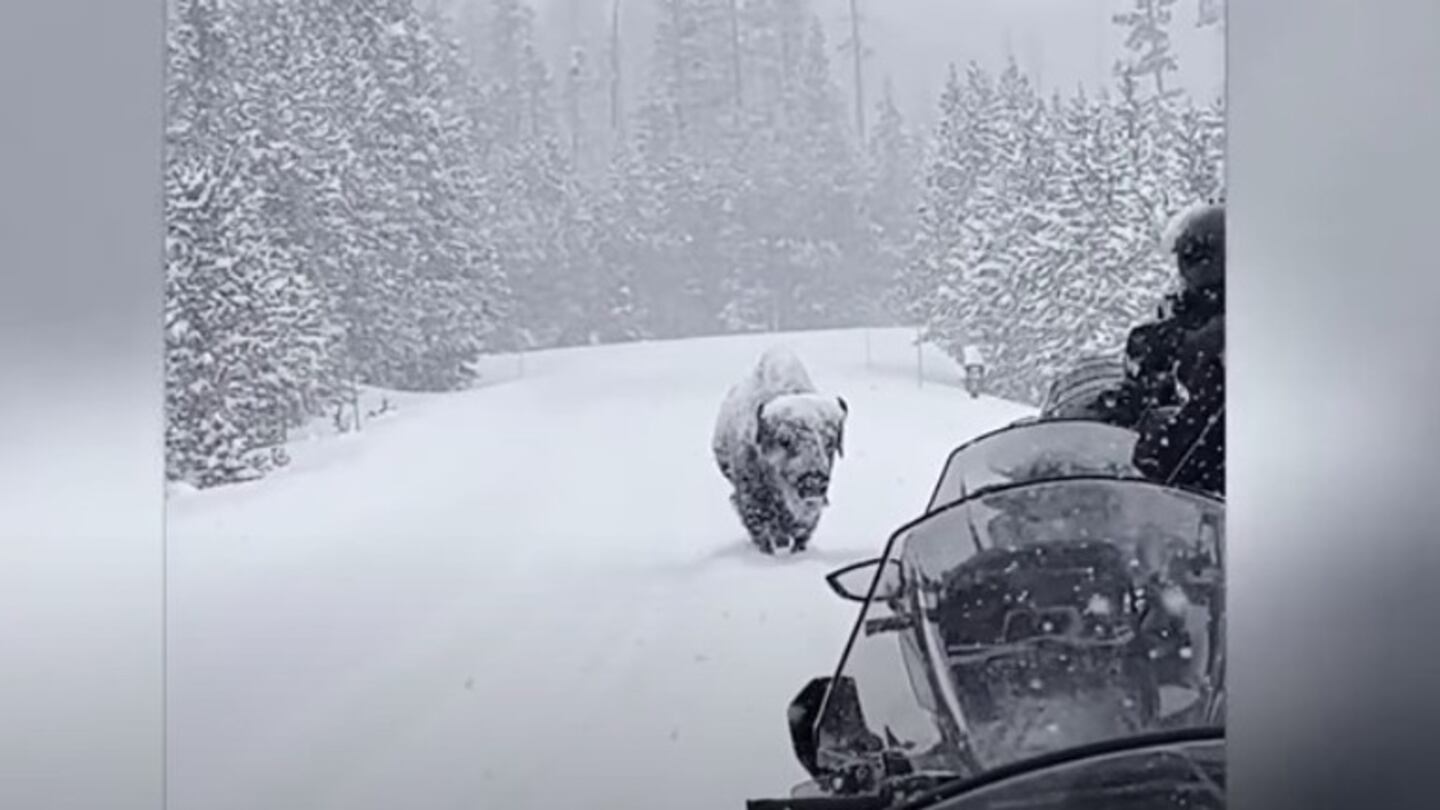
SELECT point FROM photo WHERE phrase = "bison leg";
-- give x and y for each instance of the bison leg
(746, 514)
(757, 519)
(763, 534)
(801, 536)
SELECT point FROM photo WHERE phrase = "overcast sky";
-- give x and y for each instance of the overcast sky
(1060, 42)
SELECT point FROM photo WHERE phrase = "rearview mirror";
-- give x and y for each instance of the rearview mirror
(853, 581)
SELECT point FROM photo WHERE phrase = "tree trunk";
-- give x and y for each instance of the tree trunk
(859, 53)
(681, 85)
(735, 55)
(616, 116)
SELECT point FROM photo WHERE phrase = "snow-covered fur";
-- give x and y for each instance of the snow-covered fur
(776, 440)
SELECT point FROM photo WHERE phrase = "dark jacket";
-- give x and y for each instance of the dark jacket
(1174, 393)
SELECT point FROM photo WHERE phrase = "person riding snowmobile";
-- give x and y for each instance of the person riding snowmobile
(1173, 393)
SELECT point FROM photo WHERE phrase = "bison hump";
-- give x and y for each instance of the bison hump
(778, 377)
(780, 372)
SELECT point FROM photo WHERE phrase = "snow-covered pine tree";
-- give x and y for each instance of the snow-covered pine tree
(692, 73)
(984, 293)
(204, 444)
(577, 44)
(1035, 256)
(821, 286)
(545, 245)
(1158, 177)
(1128, 175)
(1210, 13)
(894, 158)
(1148, 38)
(1006, 291)
(678, 175)
(1073, 214)
(1085, 256)
(806, 243)
(530, 196)
(515, 76)
(1133, 158)
(1086, 247)
(769, 34)
(1199, 151)
(412, 320)
(1045, 326)
(1215, 121)
(930, 290)
(773, 34)
(1038, 231)
(620, 238)
(339, 99)
(470, 295)
(272, 56)
(209, 437)
(324, 220)
(243, 327)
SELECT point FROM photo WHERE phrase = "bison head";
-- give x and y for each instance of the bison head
(798, 437)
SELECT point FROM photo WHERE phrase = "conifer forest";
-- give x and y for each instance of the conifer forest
(375, 193)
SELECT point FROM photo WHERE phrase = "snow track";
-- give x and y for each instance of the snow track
(533, 594)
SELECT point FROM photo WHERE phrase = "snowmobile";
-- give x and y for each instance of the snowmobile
(1031, 449)
(1089, 390)
(1171, 770)
(1081, 392)
(1049, 633)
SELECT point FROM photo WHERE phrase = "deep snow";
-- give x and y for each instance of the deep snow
(533, 594)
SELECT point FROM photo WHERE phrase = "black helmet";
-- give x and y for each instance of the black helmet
(1197, 239)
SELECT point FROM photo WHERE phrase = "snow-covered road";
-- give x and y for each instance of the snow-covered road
(533, 594)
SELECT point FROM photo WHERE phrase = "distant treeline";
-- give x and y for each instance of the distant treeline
(371, 192)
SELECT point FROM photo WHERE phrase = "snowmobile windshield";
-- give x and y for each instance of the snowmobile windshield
(1162, 775)
(1034, 451)
(1041, 616)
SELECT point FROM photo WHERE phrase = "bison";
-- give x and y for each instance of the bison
(776, 441)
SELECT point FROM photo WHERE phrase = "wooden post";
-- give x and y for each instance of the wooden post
(919, 359)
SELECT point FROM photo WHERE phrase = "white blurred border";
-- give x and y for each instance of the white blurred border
(1335, 303)
(1335, 250)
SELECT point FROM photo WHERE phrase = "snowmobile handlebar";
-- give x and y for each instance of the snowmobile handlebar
(821, 803)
